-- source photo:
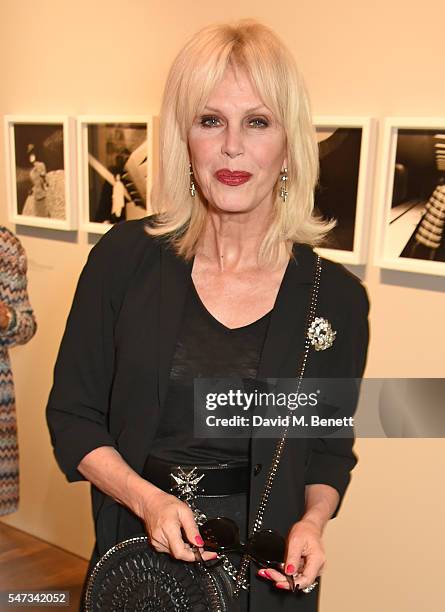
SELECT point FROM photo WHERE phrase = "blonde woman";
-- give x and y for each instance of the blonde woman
(216, 284)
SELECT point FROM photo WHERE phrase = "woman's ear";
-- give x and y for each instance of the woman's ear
(286, 159)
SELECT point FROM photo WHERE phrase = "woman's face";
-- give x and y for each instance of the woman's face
(236, 132)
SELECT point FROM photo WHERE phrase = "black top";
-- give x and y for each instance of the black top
(206, 348)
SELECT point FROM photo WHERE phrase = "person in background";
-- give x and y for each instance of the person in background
(17, 326)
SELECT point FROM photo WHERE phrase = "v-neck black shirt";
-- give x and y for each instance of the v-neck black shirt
(206, 348)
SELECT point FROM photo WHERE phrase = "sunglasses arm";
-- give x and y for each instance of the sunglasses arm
(198, 556)
(291, 581)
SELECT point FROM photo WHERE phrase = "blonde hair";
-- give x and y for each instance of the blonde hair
(195, 72)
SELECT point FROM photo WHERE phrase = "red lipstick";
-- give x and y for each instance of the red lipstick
(232, 178)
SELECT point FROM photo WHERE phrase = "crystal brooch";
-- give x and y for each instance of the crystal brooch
(321, 334)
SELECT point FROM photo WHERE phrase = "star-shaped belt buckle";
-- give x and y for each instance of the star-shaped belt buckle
(186, 487)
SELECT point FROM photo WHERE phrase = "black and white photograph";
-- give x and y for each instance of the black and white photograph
(413, 216)
(342, 191)
(115, 160)
(39, 171)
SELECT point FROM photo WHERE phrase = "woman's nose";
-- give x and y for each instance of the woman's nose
(232, 144)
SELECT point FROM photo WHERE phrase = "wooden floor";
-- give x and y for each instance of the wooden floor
(29, 563)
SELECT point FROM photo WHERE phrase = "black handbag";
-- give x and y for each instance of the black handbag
(133, 577)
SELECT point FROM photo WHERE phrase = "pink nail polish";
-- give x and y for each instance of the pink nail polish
(290, 569)
(280, 585)
(266, 573)
(199, 540)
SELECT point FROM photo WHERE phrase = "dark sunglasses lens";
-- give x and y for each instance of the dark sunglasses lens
(221, 533)
(267, 546)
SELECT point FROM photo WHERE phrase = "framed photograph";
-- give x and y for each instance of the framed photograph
(40, 181)
(347, 150)
(115, 159)
(411, 229)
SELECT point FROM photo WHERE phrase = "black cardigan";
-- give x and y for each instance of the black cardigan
(112, 370)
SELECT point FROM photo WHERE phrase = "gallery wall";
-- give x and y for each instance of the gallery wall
(385, 549)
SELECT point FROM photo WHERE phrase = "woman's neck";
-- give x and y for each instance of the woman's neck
(231, 241)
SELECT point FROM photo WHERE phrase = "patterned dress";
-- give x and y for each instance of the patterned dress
(22, 327)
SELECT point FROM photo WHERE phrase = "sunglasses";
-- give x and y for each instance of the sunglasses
(266, 547)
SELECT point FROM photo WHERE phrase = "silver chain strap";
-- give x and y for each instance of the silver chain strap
(241, 579)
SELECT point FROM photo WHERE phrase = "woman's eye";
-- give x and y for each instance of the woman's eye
(259, 122)
(208, 121)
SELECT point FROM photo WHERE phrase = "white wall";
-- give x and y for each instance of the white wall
(383, 58)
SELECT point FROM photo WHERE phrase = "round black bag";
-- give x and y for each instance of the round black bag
(133, 577)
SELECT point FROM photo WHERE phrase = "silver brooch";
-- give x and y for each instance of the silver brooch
(321, 334)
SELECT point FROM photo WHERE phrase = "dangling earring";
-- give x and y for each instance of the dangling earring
(283, 190)
(192, 187)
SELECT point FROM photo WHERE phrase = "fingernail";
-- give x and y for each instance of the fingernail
(280, 585)
(290, 569)
(266, 573)
(199, 540)
(262, 572)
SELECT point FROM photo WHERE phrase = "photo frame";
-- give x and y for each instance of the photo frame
(411, 219)
(115, 161)
(347, 154)
(40, 170)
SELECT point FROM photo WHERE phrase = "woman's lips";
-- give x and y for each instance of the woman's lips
(232, 178)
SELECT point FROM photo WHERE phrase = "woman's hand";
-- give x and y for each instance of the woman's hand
(164, 515)
(305, 557)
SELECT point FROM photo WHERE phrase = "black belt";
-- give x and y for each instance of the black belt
(214, 480)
